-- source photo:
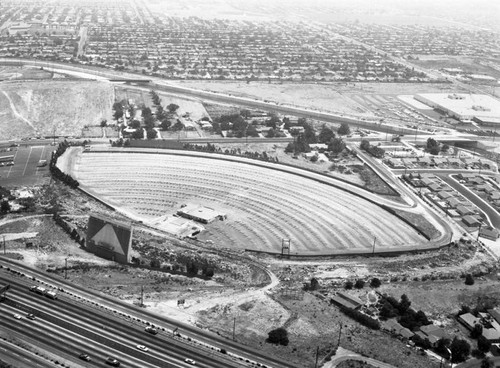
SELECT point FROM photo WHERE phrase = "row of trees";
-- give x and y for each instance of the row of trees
(326, 136)
(389, 307)
(263, 156)
(56, 172)
(192, 268)
(375, 151)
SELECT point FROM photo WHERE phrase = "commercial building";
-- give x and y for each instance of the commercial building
(464, 107)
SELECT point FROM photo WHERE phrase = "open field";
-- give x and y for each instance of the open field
(349, 99)
(40, 108)
(263, 206)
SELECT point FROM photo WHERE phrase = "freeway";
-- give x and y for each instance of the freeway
(13, 355)
(86, 313)
(67, 326)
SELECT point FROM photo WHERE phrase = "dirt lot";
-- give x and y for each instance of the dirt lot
(23, 107)
(342, 98)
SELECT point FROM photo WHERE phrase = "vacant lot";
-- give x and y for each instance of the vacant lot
(48, 107)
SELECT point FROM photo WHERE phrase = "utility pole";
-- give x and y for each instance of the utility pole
(340, 334)
(374, 241)
(142, 295)
(234, 328)
(4, 245)
(317, 355)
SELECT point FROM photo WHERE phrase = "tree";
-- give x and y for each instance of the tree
(104, 123)
(487, 363)
(278, 336)
(375, 282)
(178, 126)
(155, 263)
(336, 145)
(325, 135)
(5, 207)
(151, 134)
(271, 133)
(404, 304)
(165, 124)
(118, 110)
(460, 350)
(483, 344)
(344, 129)
(442, 348)
(314, 284)
(433, 146)
(469, 280)
(172, 108)
(359, 284)
(348, 285)
(365, 144)
(476, 331)
(388, 311)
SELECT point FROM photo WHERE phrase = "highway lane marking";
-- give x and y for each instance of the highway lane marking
(27, 160)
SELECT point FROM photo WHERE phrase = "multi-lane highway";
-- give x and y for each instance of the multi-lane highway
(76, 323)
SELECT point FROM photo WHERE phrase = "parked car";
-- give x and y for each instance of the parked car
(151, 330)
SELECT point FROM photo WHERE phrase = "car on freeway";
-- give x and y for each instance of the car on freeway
(151, 330)
(30, 316)
(85, 357)
(112, 361)
(190, 361)
(18, 316)
(142, 347)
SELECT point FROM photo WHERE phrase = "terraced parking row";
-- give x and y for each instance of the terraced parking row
(263, 205)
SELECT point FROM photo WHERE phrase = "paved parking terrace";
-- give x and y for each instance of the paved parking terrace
(25, 171)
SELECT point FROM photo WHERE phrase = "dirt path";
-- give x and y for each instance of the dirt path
(16, 113)
(344, 354)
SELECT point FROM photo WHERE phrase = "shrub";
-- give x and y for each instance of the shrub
(361, 318)
(359, 284)
(469, 280)
(348, 285)
(278, 336)
(375, 282)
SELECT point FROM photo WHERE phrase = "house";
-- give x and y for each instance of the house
(469, 320)
(454, 203)
(345, 300)
(470, 221)
(399, 330)
(434, 333)
(489, 233)
(494, 196)
(444, 195)
(435, 187)
(463, 210)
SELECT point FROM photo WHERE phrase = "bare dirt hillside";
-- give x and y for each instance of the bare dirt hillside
(40, 108)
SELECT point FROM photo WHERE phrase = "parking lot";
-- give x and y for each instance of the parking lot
(25, 170)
